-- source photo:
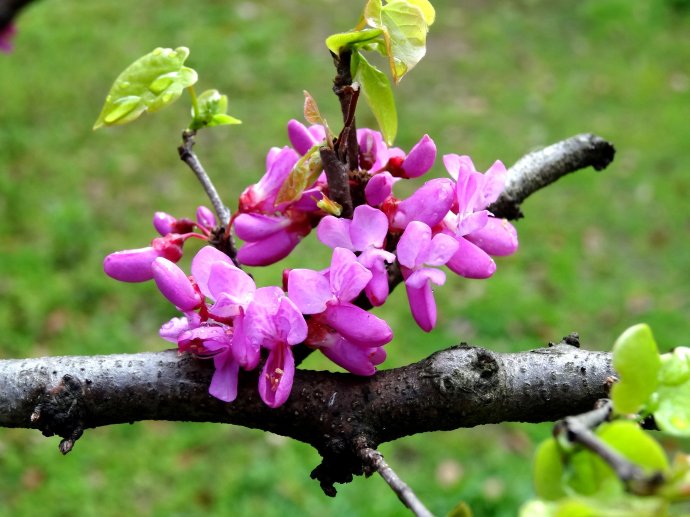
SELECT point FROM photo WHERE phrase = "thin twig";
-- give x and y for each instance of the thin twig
(578, 429)
(187, 155)
(373, 461)
(538, 169)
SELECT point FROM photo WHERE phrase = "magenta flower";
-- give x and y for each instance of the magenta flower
(303, 138)
(135, 265)
(261, 197)
(344, 332)
(416, 249)
(429, 204)
(270, 238)
(273, 322)
(365, 233)
(477, 231)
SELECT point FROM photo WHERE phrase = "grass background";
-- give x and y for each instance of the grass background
(599, 251)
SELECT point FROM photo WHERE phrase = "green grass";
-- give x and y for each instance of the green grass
(599, 251)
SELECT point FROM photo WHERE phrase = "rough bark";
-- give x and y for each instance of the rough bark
(462, 386)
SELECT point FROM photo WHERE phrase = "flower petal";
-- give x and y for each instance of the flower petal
(224, 382)
(269, 250)
(131, 265)
(471, 261)
(254, 227)
(498, 237)
(441, 249)
(202, 263)
(275, 381)
(354, 359)
(429, 204)
(174, 284)
(369, 227)
(422, 305)
(422, 276)
(309, 290)
(413, 243)
(420, 158)
(357, 325)
(379, 188)
(335, 232)
(346, 275)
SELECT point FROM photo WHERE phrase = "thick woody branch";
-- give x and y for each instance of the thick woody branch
(462, 386)
(539, 169)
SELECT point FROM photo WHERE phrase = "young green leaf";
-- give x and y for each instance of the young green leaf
(379, 96)
(548, 471)
(636, 359)
(352, 39)
(150, 83)
(303, 174)
(672, 413)
(212, 107)
(405, 34)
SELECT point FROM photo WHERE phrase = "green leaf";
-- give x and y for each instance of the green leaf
(638, 446)
(675, 367)
(427, 10)
(623, 506)
(405, 34)
(150, 83)
(303, 174)
(379, 96)
(352, 39)
(637, 362)
(548, 471)
(672, 413)
(211, 111)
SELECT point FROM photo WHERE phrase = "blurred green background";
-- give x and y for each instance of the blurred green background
(599, 251)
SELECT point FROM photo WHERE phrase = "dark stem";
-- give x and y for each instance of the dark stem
(222, 237)
(347, 95)
(373, 462)
(338, 182)
(539, 169)
(578, 429)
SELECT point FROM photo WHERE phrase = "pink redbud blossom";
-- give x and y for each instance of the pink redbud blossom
(205, 218)
(373, 152)
(379, 188)
(273, 322)
(135, 265)
(303, 138)
(365, 233)
(261, 196)
(416, 249)
(175, 285)
(429, 204)
(346, 333)
(477, 231)
(420, 158)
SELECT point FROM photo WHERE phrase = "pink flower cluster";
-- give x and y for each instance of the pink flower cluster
(227, 318)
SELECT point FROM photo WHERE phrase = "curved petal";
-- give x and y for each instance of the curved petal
(498, 237)
(289, 322)
(232, 282)
(420, 158)
(174, 284)
(300, 137)
(205, 218)
(201, 266)
(422, 305)
(373, 152)
(369, 227)
(441, 249)
(413, 243)
(131, 265)
(357, 325)
(470, 222)
(275, 381)
(254, 227)
(425, 275)
(494, 182)
(309, 290)
(347, 276)
(457, 165)
(224, 382)
(172, 329)
(379, 188)
(471, 261)
(246, 352)
(429, 204)
(163, 223)
(269, 250)
(354, 359)
(335, 232)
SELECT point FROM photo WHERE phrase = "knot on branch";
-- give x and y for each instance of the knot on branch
(60, 412)
(455, 374)
(341, 462)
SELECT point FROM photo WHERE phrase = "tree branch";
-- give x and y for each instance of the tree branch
(374, 462)
(462, 386)
(539, 169)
